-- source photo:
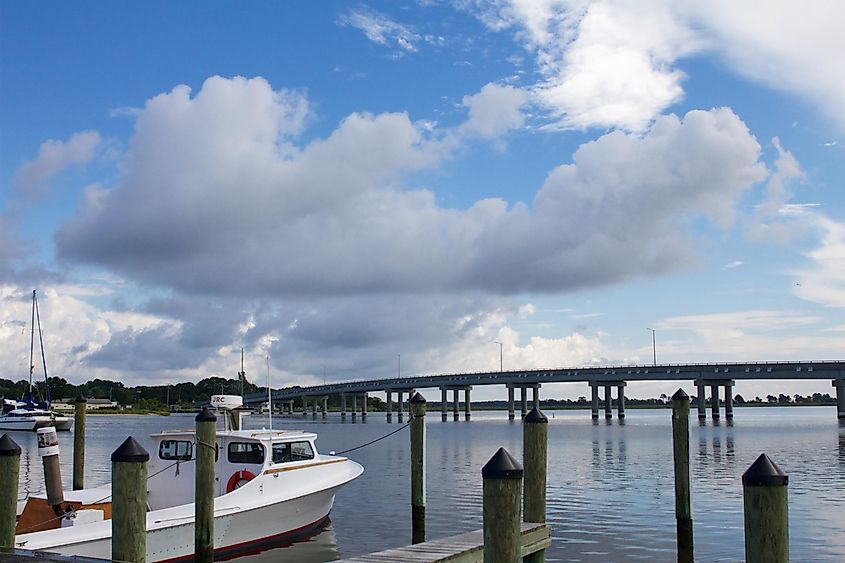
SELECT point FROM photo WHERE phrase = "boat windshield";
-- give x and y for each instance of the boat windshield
(292, 451)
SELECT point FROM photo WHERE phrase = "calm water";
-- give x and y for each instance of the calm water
(610, 495)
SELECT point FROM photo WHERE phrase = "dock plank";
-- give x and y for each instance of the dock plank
(467, 547)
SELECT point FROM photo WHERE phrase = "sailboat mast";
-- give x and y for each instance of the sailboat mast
(43, 357)
(31, 348)
(269, 397)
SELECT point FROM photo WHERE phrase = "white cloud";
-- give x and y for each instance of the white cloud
(382, 30)
(494, 111)
(790, 46)
(55, 156)
(216, 184)
(615, 63)
(823, 279)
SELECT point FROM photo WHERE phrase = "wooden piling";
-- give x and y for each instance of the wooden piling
(502, 488)
(535, 440)
(417, 403)
(79, 409)
(680, 449)
(10, 467)
(48, 449)
(129, 502)
(204, 486)
(764, 499)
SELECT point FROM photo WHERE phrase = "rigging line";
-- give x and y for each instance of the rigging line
(43, 357)
(372, 441)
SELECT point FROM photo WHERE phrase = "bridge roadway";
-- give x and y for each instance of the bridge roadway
(713, 375)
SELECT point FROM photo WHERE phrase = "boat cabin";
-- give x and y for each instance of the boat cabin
(241, 456)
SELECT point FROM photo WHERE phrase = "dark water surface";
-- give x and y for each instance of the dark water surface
(611, 487)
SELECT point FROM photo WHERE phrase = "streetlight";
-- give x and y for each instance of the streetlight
(653, 343)
(500, 354)
(399, 366)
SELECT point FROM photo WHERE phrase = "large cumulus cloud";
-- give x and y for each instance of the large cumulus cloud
(221, 195)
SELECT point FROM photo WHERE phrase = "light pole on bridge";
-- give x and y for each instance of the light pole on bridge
(500, 355)
(653, 344)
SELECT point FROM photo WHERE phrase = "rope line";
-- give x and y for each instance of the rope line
(372, 441)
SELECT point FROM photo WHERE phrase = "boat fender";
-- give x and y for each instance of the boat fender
(239, 479)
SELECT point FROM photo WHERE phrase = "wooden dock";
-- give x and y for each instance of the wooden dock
(462, 548)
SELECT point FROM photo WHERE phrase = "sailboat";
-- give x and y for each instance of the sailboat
(27, 414)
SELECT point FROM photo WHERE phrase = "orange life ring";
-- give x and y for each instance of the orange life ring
(239, 479)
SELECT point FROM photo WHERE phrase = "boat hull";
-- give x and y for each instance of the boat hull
(26, 424)
(236, 533)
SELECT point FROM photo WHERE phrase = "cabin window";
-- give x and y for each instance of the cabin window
(300, 451)
(246, 452)
(292, 451)
(281, 453)
(175, 450)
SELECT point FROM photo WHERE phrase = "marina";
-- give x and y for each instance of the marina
(610, 492)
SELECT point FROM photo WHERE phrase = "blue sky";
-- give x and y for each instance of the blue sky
(333, 184)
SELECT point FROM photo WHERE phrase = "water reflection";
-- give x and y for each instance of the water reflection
(321, 546)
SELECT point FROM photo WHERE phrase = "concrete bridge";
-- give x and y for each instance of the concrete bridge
(712, 375)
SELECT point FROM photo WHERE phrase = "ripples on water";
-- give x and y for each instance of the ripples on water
(610, 486)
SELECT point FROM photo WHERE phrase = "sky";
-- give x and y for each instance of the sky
(365, 189)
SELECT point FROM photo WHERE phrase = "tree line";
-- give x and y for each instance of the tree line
(189, 395)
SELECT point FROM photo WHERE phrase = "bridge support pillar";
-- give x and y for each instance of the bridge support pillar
(400, 406)
(729, 401)
(314, 407)
(701, 401)
(536, 394)
(467, 407)
(714, 402)
(594, 408)
(511, 406)
(444, 404)
(354, 406)
(290, 407)
(389, 405)
(840, 398)
(363, 405)
(523, 407)
(304, 406)
(325, 407)
(455, 402)
(608, 402)
(620, 399)
(343, 405)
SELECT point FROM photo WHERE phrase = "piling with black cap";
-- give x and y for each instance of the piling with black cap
(418, 407)
(535, 439)
(129, 502)
(764, 499)
(680, 449)
(204, 486)
(79, 408)
(502, 489)
(10, 467)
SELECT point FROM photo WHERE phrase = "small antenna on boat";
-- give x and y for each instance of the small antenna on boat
(269, 397)
(242, 373)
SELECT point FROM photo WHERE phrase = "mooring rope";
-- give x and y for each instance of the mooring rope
(370, 442)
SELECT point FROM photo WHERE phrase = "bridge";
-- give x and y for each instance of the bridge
(606, 378)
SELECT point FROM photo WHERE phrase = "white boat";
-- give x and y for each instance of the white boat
(272, 488)
(27, 415)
